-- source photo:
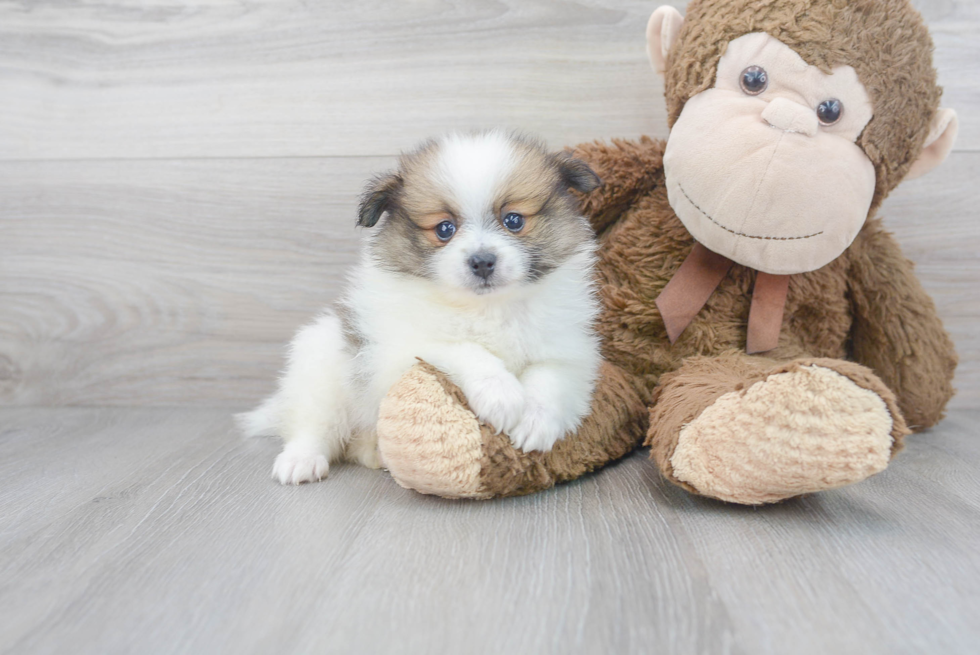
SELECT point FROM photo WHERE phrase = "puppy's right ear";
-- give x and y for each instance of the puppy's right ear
(576, 173)
(377, 198)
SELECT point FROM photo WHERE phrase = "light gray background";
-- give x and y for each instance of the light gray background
(177, 192)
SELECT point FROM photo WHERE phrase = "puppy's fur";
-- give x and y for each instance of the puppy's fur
(507, 314)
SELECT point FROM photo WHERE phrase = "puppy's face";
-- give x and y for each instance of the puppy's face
(482, 212)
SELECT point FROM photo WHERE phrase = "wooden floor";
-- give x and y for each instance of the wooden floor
(177, 192)
(159, 531)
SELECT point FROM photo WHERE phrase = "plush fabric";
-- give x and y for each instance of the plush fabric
(756, 178)
(430, 440)
(753, 430)
(861, 357)
(897, 72)
(866, 305)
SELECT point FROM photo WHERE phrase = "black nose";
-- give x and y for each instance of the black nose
(482, 264)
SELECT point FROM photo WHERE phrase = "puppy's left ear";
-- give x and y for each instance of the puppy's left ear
(576, 174)
(377, 198)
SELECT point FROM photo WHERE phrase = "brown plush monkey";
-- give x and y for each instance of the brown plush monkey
(752, 300)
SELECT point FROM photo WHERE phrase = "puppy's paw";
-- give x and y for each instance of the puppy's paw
(497, 400)
(364, 450)
(539, 429)
(297, 467)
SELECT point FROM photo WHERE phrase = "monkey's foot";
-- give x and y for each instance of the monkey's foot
(803, 427)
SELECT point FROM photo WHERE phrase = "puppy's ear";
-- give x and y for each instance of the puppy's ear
(377, 198)
(576, 174)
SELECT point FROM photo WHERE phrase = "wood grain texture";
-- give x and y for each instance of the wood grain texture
(177, 191)
(166, 282)
(267, 78)
(180, 282)
(159, 530)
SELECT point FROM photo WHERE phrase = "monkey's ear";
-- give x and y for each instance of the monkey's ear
(662, 30)
(377, 198)
(576, 174)
(939, 143)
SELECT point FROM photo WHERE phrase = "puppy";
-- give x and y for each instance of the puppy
(479, 263)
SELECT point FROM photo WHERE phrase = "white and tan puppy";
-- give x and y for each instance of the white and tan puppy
(482, 266)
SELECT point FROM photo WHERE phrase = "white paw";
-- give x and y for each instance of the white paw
(363, 449)
(539, 429)
(369, 458)
(497, 400)
(297, 467)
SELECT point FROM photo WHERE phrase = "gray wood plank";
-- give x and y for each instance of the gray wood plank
(871, 548)
(158, 530)
(273, 79)
(179, 282)
(159, 282)
(936, 219)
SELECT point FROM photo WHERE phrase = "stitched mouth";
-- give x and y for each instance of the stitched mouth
(742, 234)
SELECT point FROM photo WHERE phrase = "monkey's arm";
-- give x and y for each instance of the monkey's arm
(628, 170)
(896, 330)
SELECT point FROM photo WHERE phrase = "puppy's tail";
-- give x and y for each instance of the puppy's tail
(263, 421)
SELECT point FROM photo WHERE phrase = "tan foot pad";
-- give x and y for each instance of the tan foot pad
(797, 432)
(428, 440)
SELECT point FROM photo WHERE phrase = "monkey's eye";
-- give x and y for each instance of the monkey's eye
(445, 231)
(829, 111)
(513, 221)
(753, 80)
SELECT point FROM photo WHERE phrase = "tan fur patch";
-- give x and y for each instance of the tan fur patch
(420, 194)
(528, 209)
(533, 180)
(428, 222)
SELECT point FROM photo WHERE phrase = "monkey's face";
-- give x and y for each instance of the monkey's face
(763, 167)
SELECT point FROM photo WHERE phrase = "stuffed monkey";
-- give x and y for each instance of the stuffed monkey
(759, 325)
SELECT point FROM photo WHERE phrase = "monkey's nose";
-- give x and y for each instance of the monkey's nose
(482, 264)
(789, 116)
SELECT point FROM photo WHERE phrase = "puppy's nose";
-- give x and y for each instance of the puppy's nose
(482, 264)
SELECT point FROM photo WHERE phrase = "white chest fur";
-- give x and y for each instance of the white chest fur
(399, 319)
(538, 321)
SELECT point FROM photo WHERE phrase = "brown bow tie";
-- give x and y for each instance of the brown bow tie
(697, 279)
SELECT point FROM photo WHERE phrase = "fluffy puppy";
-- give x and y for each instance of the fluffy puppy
(479, 263)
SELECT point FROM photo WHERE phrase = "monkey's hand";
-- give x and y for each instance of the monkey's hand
(628, 170)
(896, 330)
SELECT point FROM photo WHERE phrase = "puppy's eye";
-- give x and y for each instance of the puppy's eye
(753, 80)
(513, 221)
(445, 230)
(829, 111)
